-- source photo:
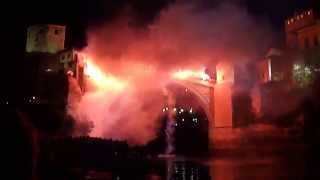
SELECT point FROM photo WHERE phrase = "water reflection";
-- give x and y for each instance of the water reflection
(216, 169)
(256, 168)
(187, 170)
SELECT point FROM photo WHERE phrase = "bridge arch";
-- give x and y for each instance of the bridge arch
(189, 95)
(203, 93)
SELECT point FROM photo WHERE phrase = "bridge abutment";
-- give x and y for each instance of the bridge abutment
(221, 123)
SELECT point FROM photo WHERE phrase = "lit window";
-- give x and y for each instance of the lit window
(309, 12)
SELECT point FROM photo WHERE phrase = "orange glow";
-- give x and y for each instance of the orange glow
(220, 77)
(224, 73)
(100, 79)
(187, 74)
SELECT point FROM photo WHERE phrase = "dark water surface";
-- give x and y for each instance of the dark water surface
(228, 168)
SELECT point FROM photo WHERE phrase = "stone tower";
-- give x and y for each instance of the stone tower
(45, 39)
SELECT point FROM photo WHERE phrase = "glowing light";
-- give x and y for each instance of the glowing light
(307, 70)
(195, 120)
(296, 66)
(174, 109)
(187, 74)
(220, 77)
(182, 120)
(101, 80)
(191, 111)
(33, 97)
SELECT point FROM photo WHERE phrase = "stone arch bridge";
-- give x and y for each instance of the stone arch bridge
(216, 101)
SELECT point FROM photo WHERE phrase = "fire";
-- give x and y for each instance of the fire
(187, 74)
(100, 79)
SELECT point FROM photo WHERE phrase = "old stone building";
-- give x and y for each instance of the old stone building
(45, 66)
(294, 66)
(303, 30)
(45, 38)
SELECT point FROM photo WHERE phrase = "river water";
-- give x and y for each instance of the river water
(227, 168)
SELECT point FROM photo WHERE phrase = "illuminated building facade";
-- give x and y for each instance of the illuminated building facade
(73, 62)
(303, 30)
(302, 46)
(45, 39)
(303, 36)
(294, 66)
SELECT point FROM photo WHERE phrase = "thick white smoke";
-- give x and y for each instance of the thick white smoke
(183, 36)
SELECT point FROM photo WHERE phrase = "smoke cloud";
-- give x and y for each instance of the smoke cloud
(184, 35)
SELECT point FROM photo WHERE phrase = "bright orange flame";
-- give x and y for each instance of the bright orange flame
(187, 74)
(101, 80)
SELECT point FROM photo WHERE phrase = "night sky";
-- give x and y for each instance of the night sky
(79, 15)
